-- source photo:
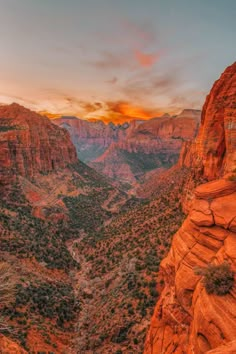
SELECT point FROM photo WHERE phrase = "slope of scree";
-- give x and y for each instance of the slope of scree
(187, 317)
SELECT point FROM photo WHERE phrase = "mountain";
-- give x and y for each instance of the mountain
(85, 257)
(153, 144)
(30, 144)
(48, 199)
(196, 309)
(129, 152)
(91, 139)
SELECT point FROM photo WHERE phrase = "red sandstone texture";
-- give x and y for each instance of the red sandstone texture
(159, 139)
(97, 132)
(214, 150)
(91, 139)
(30, 143)
(187, 319)
(9, 347)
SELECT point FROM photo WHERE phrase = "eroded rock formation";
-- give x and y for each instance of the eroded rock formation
(30, 143)
(187, 319)
(155, 143)
(214, 150)
(91, 139)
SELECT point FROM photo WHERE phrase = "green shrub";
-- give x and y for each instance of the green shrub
(217, 279)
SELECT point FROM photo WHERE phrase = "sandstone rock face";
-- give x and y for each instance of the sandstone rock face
(158, 140)
(111, 149)
(7, 346)
(214, 150)
(30, 143)
(183, 126)
(187, 319)
(91, 139)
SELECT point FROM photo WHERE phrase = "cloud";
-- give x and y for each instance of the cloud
(112, 61)
(112, 81)
(90, 107)
(143, 86)
(49, 114)
(128, 59)
(139, 34)
(136, 46)
(130, 109)
(146, 60)
(8, 99)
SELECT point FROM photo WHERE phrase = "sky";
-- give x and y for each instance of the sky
(108, 58)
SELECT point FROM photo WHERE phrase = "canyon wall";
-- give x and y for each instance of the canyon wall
(153, 144)
(112, 149)
(187, 319)
(91, 139)
(214, 150)
(31, 144)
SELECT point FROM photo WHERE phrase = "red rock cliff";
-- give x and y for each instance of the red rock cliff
(187, 319)
(92, 138)
(159, 136)
(214, 150)
(30, 143)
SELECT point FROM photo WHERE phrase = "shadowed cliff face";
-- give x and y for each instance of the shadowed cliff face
(31, 144)
(187, 319)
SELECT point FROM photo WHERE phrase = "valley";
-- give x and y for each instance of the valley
(127, 153)
(113, 257)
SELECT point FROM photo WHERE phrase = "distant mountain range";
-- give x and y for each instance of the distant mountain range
(127, 152)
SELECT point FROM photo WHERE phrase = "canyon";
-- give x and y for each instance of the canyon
(29, 144)
(187, 319)
(47, 198)
(98, 269)
(129, 152)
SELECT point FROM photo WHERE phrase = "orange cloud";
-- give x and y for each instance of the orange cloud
(122, 111)
(130, 110)
(146, 60)
(49, 115)
(117, 112)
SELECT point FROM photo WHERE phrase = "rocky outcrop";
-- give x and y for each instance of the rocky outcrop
(91, 139)
(214, 150)
(111, 148)
(158, 140)
(7, 346)
(187, 319)
(31, 144)
(183, 126)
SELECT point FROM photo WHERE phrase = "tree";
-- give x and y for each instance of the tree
(217, 279)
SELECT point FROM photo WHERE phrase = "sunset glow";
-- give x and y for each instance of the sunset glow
(146, 60)
(101, 61)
